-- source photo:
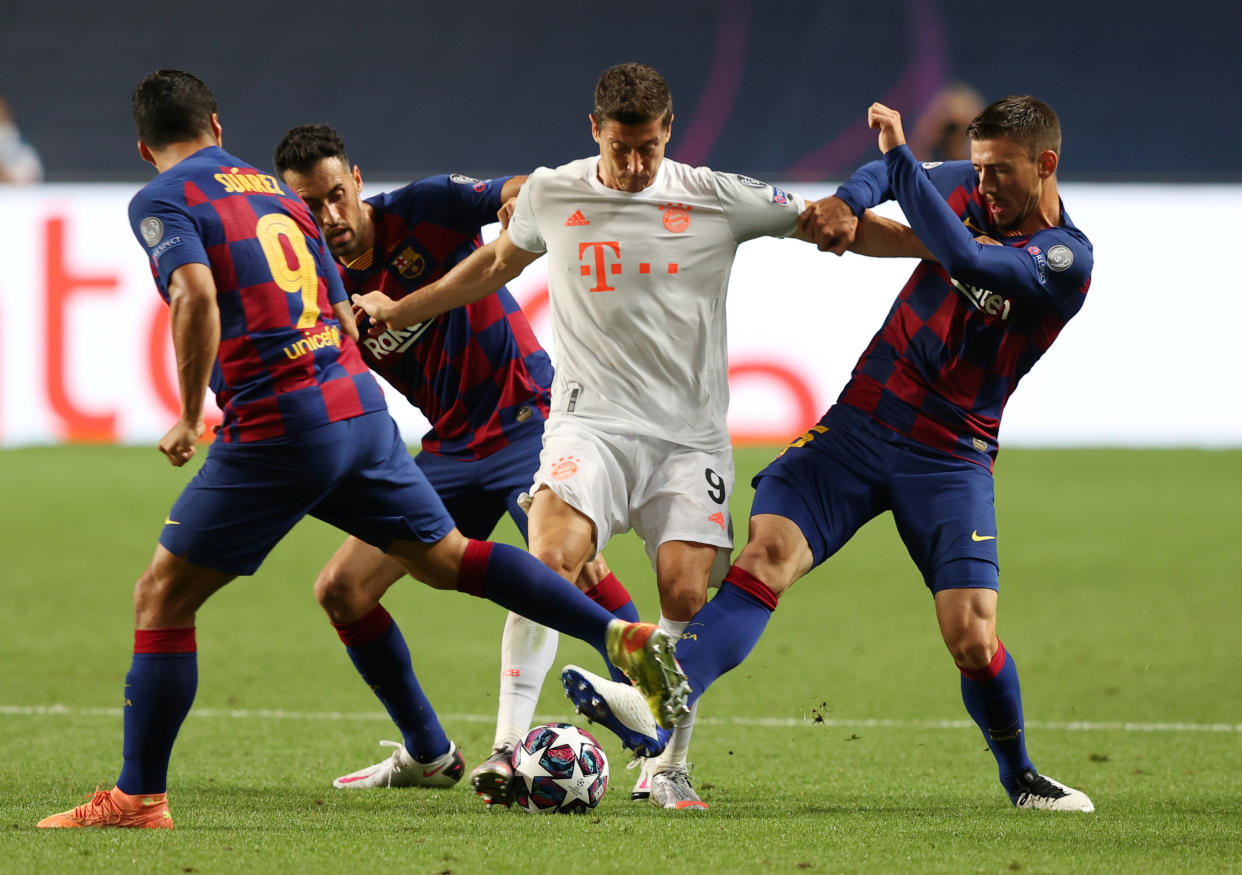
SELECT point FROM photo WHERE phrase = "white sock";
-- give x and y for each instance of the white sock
(527, 651)
(678, 748)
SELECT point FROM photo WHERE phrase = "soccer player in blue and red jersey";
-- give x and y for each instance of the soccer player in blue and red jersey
(482, 380)
(915, 430)
(252, 292)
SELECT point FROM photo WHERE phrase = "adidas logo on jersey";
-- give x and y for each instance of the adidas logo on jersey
(577, 220)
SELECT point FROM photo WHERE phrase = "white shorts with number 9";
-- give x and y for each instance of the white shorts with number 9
(661, 490)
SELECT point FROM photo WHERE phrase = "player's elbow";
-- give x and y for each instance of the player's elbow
(191, 284)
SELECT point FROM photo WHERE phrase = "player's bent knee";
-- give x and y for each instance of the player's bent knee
(682, 602)
(593, 572)
(768, 562)
(170, 590)
(776, 552)
(341, 596)
(972, 649)
(564, 562)
(151, 593)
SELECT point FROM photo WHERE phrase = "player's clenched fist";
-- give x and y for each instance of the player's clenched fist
(829, 223)
(178, 444)
(888, 123)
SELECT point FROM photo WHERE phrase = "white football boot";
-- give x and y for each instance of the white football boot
(646, 767)
(620, 707)
(402, 770)
(1038, 791)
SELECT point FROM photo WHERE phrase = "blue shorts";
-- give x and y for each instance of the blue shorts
(355, 474)
(851, 469)
(477, 493)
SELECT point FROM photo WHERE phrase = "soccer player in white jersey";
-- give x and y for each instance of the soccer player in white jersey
(639, 248)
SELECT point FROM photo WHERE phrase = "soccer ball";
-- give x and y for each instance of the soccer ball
(559, 768)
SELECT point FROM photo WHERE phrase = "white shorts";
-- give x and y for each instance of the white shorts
(661, 490)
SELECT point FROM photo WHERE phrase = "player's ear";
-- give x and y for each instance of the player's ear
(357, 175)
(145, 153)
(216, 130)
(1047, 162)
(594, 127)
(668, 129)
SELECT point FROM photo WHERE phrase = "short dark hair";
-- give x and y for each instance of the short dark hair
(632, 94)
(172, 106)
(1021, 118)
(305, 146)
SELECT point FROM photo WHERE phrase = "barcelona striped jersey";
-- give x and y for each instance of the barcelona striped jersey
(283, 365)
(476, 372)
(967, 327)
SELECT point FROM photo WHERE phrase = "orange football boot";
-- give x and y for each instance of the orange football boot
(114, 808)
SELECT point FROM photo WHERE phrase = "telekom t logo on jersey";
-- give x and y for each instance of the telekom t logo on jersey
(603, 259)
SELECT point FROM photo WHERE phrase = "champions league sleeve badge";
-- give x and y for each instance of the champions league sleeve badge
(1060, 257)
(152, 230)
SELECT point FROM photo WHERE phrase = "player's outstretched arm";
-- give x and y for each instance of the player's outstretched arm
(832, 226)
(486, 270)
(195, 320)
(881, 237)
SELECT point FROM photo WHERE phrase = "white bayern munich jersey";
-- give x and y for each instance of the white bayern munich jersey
(637, 284)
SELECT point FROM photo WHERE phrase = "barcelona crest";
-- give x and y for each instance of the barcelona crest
(409, 263)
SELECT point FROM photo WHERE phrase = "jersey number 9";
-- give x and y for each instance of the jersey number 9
(300, 280)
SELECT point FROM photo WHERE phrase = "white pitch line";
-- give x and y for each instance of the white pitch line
(776, 722)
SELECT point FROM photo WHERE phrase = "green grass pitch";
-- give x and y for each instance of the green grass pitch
(840, 746)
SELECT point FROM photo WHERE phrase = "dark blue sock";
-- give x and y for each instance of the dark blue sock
(994, 699)
(626, 612)
(159, 690)
(725, 631)
(379, 652)
(516, 580)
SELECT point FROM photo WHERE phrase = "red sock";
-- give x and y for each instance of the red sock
(744, 580)
(609, 593)
(367, 628)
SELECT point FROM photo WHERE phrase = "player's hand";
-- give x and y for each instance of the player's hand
(505, 213)
(986, 240)
(378, 306)
(888, 123)
(179, 444)
(829, 223)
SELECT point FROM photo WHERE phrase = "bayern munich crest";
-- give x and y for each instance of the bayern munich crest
(676, 217)
(564, 468)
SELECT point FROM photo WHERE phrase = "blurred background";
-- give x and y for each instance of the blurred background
(1146, 90)
(1147, 93)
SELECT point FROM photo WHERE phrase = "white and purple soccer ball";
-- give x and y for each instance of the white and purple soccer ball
(559, 768)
